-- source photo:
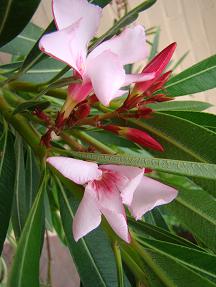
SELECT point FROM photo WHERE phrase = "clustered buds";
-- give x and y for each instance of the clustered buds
(79, 101)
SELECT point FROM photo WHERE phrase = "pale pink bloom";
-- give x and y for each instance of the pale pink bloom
(107, 188)
(102, 70)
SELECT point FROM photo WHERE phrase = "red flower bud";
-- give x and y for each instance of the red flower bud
(135, 135)
(157, 65)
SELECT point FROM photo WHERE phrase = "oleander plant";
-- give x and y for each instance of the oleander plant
(97, 151)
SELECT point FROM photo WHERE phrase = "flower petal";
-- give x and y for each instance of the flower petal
(79, 92)
(107, 76)
(129, 46)
(149, 194)
(136, 78)
(112, 208)
(88, 215)
(67, 12)
(134, 176)
(78, 171)
(66, 45)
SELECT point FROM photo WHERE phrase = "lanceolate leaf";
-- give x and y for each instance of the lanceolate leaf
(24, 42)
(180, 138)
(32, 175)
(203, 119)
(7, 175)
(198, 78)
(92, 254)
(195, 259)
(180, 106)
(171, 272)
(194, 208)
(199, 170)
(25, 268)
(35, 55)
(14, 15)
(20, 209)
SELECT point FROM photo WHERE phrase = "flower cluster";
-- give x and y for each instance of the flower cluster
(102, 76)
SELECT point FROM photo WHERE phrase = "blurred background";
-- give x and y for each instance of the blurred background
(190, 23)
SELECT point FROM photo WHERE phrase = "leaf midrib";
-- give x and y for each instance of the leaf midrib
(190, 77)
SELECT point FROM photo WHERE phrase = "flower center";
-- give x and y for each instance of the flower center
(109, 181)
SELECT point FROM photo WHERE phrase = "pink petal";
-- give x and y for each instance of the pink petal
(78, 171)
(112, 208)
(134, 176)
(136, 78)
(88, 215)
(79, 92)
(149, 194)
(107, 76)
(129, 46)
(67, 12)
(65, 45)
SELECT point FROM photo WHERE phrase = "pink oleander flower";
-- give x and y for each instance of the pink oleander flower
(102, 70)
(107, 189)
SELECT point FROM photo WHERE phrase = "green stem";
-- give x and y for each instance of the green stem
(92, 141)
(23, 127)
(29, 87)
(118, 259)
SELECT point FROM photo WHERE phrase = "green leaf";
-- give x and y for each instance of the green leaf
(7, 176)
(203, 119)
(24, 42)
(35, 56)
(20, 209)
(195, 169)
(198, 260)
(198, 78)
(171, 272)
(92, 254)
(43, 71)
(32, 175)
(177, 137)
(194, 208)
(14, 16)
(25, 268)
(180, 106)
(144, 229)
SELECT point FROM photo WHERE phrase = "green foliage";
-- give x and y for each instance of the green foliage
(25, 269)
(14, 16)
(7, 178)
(173, 245)
(198, 78)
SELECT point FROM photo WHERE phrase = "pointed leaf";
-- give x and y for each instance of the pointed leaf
(25, 268)
(7, 176)
(198, 78)
(14, 16)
